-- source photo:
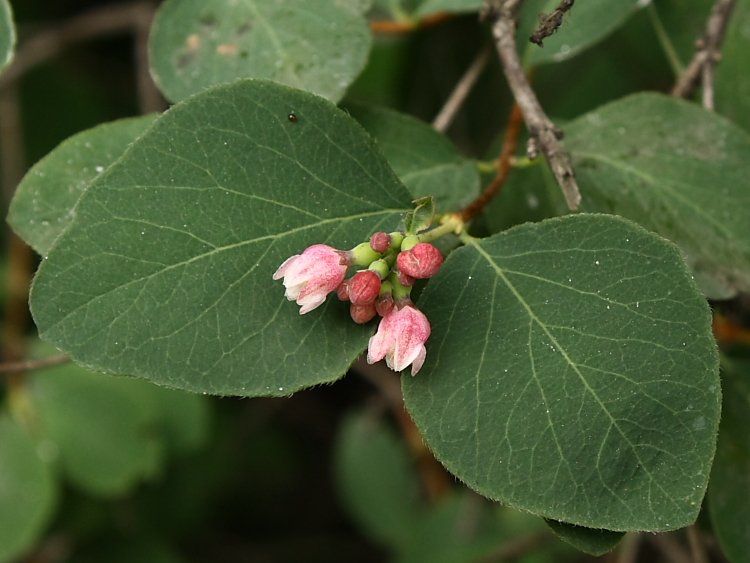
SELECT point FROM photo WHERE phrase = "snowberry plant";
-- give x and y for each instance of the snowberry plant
(266, 231)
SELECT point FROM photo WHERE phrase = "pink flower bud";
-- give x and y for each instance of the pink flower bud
(362, 314)
(309, 277)
(400, 339)
(380, 241)
(342, 291)
(384, 304)
(405, 280)
(364, 287)
(420, 262)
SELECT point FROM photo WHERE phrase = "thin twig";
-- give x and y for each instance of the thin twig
(545, 136)
(20, 258)
(458, 96)
(504, 165)
(707, 55)
(32, 365)
(628, 551)
(673, 552)
(697, 549)
(49, 42)
(394, 27)
(515, 548)
(550, 23)
(434, 478)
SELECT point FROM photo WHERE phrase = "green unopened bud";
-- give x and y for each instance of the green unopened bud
(386, 288)
(399, 291)
(363, 254)
(381, 268)
(396, 239)
(410, 242)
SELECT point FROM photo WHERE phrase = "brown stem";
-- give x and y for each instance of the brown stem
(702, 66)
(697, 549)
(672, 551)
(20, 257)
(550, 23)
(510, 143)
(434, 478)
(628, 550)
(31, 365)
(515, 548)
(401, 27)
(458, 96)
(545, 136)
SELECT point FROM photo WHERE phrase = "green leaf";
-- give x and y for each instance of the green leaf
(44, 202)
(583, 26)
(101, 428)
(728, 501)
(677, 169)
(572, 373)
(111, 433)
(7, 34)
(421, 217)
(165, 271)
(426, 161)
(315, 45)
(27, 491)
(732, 80)
(592, 541)
(428, 7)
(376, 480)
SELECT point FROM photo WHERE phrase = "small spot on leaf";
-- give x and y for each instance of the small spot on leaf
(244, 28)
(226, 49)
(208, 20)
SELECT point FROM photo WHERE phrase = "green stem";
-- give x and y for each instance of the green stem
(466, 238)
(664, 40)
(449, 224)
(486, 166)
(525, 162)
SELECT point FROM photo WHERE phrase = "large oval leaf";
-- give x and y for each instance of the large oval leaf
(572, 372)
(166, 269)
(43, 204)
(677, 169)
(316, 45)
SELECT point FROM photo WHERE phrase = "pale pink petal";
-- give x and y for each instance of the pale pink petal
(309, 277)
(311, 303)
(279, 273)
(418, 361)
(377, 348)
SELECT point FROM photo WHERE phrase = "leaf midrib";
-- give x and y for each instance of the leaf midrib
(271, 237)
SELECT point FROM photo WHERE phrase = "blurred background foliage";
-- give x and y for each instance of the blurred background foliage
(325, 475)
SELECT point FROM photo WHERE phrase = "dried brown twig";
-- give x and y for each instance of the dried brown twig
(457, 97)
(707, 55)
(550, 23)
(47, 43)
(31, 365)
(545, 136)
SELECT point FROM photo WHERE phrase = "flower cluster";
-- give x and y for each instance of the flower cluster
(387, 267)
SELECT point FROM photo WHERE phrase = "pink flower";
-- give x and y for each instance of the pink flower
(309, 277)
(400, 339)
